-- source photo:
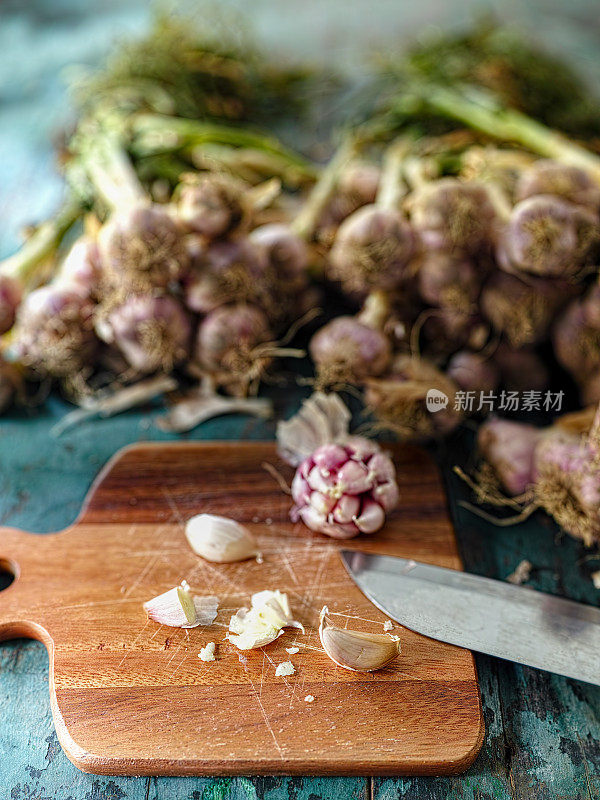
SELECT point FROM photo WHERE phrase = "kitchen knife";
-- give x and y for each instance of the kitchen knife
(493, 617)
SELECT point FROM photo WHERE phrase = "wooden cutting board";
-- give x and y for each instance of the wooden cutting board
(130, 697)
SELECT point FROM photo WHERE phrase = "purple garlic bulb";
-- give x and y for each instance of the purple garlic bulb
(473, 372)
(54, 332)
(346, 350)
(226, 272)
(10, 297)
(508, 447)
(286, 273)
(81, 268)
(142, 249)
(548, 237)
(567, 481)
(152, 332)
(448, 330)
(401, 401)
(287, 254)
(522, 310)
(576, 337)
(449, 281)
(562, 180)
(211, 205)
(357, 187)
(451, 215)
(345, 489)
(371, 250)
(230, 346)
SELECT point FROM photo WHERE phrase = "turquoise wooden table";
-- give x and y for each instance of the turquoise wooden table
(543, 732)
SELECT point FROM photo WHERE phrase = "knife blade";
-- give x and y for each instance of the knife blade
(489, 616)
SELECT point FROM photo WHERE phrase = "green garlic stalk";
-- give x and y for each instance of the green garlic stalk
(17, 271)
(158, 133)
(481, 111)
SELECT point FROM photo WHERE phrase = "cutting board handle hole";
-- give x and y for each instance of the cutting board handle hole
(8, 572)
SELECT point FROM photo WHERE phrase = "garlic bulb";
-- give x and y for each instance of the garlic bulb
(357, 650)
(178, 608)
(219, 539)
(263, 622)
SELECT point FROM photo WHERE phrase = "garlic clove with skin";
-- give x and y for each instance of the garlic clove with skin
(178, 608)
(357, 650)
(220, 539)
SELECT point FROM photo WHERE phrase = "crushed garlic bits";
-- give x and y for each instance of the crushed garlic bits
(309, 698)
(220, 539)
(292, 650)
(357, 650)
(263, 622)
(207, 653)
(284, 669)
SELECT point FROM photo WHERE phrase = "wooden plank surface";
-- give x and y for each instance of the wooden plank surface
(131, 697)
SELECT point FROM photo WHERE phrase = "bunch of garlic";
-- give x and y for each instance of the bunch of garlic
(263, 622)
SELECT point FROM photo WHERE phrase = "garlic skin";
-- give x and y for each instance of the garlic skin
(356, 650)
(206, 611)
(263, 622)
(220, 539)
(178, 608)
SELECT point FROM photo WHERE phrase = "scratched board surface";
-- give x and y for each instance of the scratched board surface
(543, 732)
(131, 697)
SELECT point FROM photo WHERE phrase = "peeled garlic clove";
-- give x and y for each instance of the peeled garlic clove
(256, 636)
(274, 608)
(357, 650)
(219, 539)
(263, 622)
(174, 608)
